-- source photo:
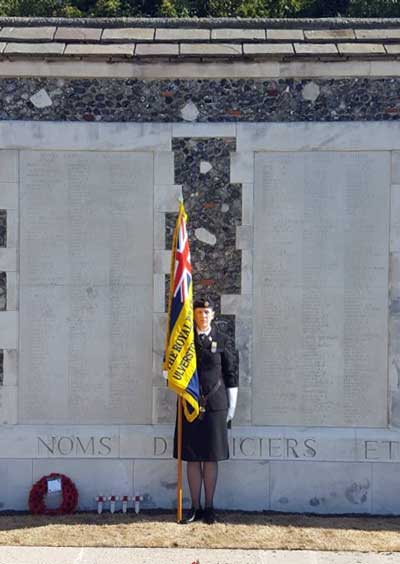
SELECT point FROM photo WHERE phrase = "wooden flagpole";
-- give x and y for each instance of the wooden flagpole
(179, 516)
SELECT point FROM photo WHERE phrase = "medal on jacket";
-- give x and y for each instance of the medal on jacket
(214, 347)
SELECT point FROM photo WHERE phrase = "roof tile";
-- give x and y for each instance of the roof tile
(285, 34)
(94, 49)
(34, 48)
(156, 49)
(393, 49)
(328, 34)
(229, 34)
(315, 49)
(268, 49)
(207, 49)
(42, 33)
(182, 34)
(377, 33)
(128, 33)
(78, 34)
(361, 48)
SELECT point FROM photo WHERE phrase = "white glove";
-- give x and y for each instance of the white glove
(232, 397)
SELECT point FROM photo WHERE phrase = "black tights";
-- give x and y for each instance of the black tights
(199, 473)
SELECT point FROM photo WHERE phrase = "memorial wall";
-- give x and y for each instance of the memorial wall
(290, 173)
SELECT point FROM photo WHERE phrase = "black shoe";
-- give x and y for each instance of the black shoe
(193, 515)
(209, 516)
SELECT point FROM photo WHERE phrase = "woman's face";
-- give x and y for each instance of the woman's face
(203, 317)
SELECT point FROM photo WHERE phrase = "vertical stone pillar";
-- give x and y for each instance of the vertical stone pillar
(8, 281)
(394, 293)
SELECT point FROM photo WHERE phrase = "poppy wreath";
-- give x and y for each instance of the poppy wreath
(39, 490)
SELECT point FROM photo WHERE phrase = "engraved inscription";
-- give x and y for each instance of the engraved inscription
(321, 289)
(86, 287)
(75, 446)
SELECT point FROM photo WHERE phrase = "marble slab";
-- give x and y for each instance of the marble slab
(321, 289)
(324, 487)
(58, 136)
(15, 484)
(86, 263)
(307, 136)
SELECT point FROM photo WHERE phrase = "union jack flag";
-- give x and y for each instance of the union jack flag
(183, 266)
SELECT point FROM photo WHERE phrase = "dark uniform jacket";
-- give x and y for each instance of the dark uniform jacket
(215, 361)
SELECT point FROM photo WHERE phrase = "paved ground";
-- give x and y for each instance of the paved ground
(44, 555)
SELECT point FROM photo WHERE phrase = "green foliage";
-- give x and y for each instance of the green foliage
(201, 8)
(376, 9)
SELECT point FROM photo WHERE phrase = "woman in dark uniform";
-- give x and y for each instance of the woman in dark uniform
(205, 441)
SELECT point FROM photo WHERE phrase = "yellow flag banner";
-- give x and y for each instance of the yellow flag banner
(180, 353)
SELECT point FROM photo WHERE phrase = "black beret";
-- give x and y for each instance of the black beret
(203, 301)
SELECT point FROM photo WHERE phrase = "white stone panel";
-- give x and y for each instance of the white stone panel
(12, 291)
(8, 405)
(164, 405)
(324, 487)
(159, 231)
(15, 484)
(159, 305)
(91, 477)
(8, 195)
(156, 480)
(233, 494)
(159, 331)
(395, 219)
(260, 69)
(247, 203)
(167, 197)
(233, 304)
(154, 441)
(17, 441)
(352, 136)
(8, 329)
(247, 272)
(44, 351)
(86, 287)
(244, 237)
(243, 409)
(8, 166)
(162, 262)
(10, 367)
(203, 130)
(8, 260)
(396, 167)
(242, 167)
(12, 229)
(164, 170)
(56, 136)
(385, 485)
(378, 445)
(320, 279)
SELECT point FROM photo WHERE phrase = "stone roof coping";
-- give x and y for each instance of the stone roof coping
(203, 38)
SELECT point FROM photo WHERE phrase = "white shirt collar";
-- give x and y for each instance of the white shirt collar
(204, 332)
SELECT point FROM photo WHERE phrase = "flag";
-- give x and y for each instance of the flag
(180, 352)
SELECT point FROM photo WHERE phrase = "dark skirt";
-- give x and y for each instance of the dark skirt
(205, 439)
